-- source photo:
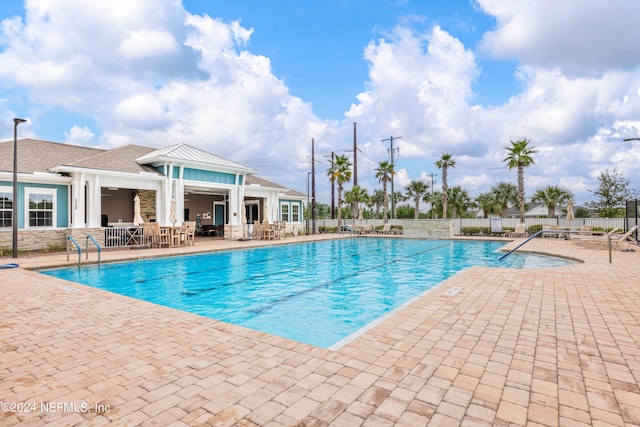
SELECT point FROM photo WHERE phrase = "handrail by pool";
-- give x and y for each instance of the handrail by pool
(554, 232)
(71, 239)
(90, 237)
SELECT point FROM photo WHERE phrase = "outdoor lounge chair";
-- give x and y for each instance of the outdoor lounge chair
(617, 240)
(367, 228)
(580, 239)
(519, 231)
(386, 229)
(625, 238)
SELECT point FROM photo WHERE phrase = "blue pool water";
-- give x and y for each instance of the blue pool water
(317, 293)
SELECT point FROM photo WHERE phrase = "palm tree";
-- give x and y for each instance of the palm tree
(459, 201)
(519, 156)
(551, 196)
(417, 189)
(340, 172)
(487, 202)
(445, 162)
(355, 196)
(385, 172)
(504, 194)
(435, 200)
(377, 199)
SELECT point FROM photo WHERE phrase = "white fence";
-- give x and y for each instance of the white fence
(605, 223)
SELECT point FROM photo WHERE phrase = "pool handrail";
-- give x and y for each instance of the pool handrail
(69, 240)
(554, 232)
(90, 237)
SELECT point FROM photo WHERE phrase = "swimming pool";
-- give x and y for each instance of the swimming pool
(318, 293)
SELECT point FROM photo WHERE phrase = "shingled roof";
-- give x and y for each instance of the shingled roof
(35, 155)
(121, 159)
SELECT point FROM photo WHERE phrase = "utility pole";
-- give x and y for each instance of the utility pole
(333, 189)
(313, 186)
(391, 152)
(355, 156)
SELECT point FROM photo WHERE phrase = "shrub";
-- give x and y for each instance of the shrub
(533, 229)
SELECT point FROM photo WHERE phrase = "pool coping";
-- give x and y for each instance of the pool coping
(440, 359)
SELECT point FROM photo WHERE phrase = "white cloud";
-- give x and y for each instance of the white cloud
(80, 136)
(155, 74)
(577, 36)
(147, 43)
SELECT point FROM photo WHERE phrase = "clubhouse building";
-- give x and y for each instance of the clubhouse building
(73, 190)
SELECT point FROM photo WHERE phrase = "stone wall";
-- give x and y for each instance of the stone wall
(33, 240)
(47, 240)
(147, 205)
(427, 229)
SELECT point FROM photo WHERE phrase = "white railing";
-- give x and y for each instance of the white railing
(118, 237)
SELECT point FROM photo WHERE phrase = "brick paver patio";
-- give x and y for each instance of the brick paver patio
(558, 346)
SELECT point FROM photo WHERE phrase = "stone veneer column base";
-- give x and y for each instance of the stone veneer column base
(233, 232)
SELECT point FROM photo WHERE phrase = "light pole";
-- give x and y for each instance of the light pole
(14, 217)
(632, 139)
(313, 186)
(308, 205)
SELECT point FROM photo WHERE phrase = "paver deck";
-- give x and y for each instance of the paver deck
(556, 346)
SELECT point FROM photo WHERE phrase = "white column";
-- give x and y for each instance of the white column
(94, 202)
(233, 205)
(77, 201)
(180, 195)
(168, 193)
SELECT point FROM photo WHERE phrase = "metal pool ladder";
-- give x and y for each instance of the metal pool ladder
(97, 245)
(70, 240)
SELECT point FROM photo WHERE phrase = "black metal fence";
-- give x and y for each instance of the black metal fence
(631, 218)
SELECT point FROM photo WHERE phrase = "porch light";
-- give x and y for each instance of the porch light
(14, 219)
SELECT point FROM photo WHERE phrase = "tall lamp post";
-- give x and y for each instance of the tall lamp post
(308, 205)
(14, 218)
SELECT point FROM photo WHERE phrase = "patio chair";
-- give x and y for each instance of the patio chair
(386, 229)
(191, 233)
(147, 232)
(268, 230)
(519, 231)
(160, 236)
(256, 234)
(550, 228)
(188, 233)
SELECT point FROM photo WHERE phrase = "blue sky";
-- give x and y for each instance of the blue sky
(256, 81)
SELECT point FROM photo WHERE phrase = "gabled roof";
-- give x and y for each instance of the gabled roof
(188, 155)
(121, 159)
(35, 155)
(254, 180)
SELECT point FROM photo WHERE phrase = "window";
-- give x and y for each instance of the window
(295, 212)
(6, 207)
(284, 212)
(40, 205)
